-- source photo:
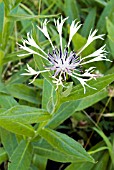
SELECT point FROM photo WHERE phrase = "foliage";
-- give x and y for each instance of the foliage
(39, 124)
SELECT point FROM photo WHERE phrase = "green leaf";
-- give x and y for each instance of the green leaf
(68, 108)
(102, 163)
(39, 83)
(7, 101)
(71, 9)
(26, 24)
(20, 17)
(55, 155)
(79, 42)
(1, 59)
(3, 155)
(68, 90)
(25, 114)
(8, 26)
(7, 4)
(9, 141)
(40, 65)
(110, 29)
(21, 91)
(17, 78)
(89, 23)
(16, 127)
(3, 88)
(100, 132)
(108, 143)
(107, 12)
(2, 110)
(47, 93)
(88, 165)
(2, 11)
(40, 162)
(65, 144)
(101, 2)
(32, 167)
(99, 84)
(17, 3)
(1, 63)
(80, 166)
(48, 96)
(45, 150)
(14, 56)
(21, 158)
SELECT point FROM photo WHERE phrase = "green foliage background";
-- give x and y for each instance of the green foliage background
(38, 124)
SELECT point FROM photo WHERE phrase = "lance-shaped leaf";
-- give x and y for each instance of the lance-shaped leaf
(16, 127)
(7, 101)
(44, 149)
(22, 91)
(99, 84)
(21, 158)
(9, 141)
(2, 11)
(65, 144)
(3, 155)
(25, 114)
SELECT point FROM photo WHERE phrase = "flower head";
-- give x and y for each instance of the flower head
(62, 61)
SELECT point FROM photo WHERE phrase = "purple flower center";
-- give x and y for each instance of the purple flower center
(63, 62)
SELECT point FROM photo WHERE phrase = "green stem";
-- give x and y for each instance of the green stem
(1, 64)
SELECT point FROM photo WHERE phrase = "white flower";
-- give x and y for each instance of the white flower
(62, 61)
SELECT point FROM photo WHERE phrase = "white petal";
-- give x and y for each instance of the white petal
(99, 58)
(73, 29)
(21, 55)
(31, 70)
(59, 26)
(30, 51)
(30, 41)
(96, 53)
(45, 31)
(44, 28)
(90, 39)
(83, 82)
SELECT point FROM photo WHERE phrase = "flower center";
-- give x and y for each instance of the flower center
(63, 62)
